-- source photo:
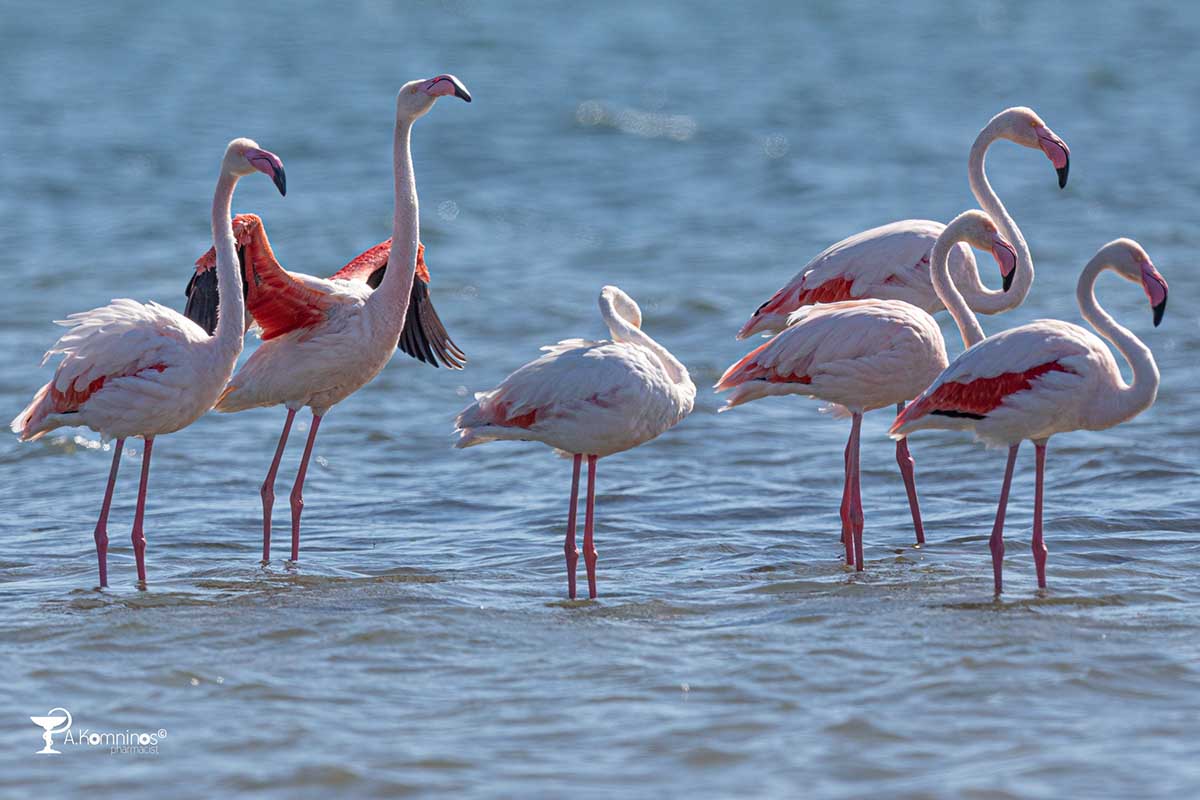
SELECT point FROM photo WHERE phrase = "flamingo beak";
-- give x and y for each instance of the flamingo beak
(270, 165)
(444, 85)
(1006, 256)
(1156, 289)
(1058, 153)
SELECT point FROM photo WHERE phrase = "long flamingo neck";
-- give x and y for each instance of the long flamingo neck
(231, 313)
(980, 298)
(622, 330)
(964, 318)
(391, 298)
(1130, 399)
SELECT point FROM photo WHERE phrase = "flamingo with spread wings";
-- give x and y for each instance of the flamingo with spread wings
(326, 338)
(1043, 378)
(141, 369)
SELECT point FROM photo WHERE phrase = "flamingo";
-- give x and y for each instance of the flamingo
(892, 262)
(866, 354)
(1043, 378)
(324, 339)
(141, 369)
(587, 398)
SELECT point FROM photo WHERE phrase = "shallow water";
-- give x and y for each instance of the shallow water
(695, 158)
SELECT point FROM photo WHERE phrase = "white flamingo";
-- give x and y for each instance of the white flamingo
(866, 354)
(324, 339)
(587, 398)
(141, 369)
(1043, 378)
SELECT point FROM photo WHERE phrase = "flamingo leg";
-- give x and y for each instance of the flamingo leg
(569, 545)
(1039, 545)
(996, 543)
(268, 487)
(298, 489)
(101, 535)
(589, 545)
(856, 509)
(139, 539)
(905, 460)
(847, 498)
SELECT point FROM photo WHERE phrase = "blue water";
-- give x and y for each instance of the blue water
(696, 156)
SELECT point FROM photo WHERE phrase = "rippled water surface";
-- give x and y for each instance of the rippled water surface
(696, 156)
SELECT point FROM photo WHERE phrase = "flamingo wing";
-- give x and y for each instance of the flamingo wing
(996, 372)
(424, 336)
(888, 262)
(278, 301)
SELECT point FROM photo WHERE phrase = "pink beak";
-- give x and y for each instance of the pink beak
(1006, 256)
(1057, 151)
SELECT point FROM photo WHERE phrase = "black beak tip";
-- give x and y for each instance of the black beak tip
(1063, 171)
(1008, 280)
(280, 180)
(1159, 310)
(462, 93)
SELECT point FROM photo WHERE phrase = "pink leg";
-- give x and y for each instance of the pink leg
(589, 545)
(298, 489)
(569, 545)
(905, 460)
(847, 499)
(856, 509)
(268, 487)
(139, 540)
(1039, 546)
(102, 523)
(996, 543)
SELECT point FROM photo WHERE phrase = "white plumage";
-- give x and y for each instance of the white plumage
(592, 398)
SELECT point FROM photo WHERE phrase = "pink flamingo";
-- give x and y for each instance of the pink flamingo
(326, 339)
(1043, 378)
(892, 262)
(141, 369)
(866, 354)
(584, 397)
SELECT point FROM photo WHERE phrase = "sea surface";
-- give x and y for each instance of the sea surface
(697, 155)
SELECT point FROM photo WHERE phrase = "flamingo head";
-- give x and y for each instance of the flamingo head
(244, 156)
(1023, 126)
(1130, 261)
(417, 97)
(977, 229)
(624, 305)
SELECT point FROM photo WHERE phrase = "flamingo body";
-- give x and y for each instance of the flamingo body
(890, 262)
(859, 354)
(127, 369)
(1029, 382)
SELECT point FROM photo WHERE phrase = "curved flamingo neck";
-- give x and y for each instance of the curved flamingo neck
(231, 310)
(1130, 399)
(623, 330)
(391, 298)
(964, 318)
(979, 297)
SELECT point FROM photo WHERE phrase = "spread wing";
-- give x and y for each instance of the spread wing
(424, 336)
(276, 300)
